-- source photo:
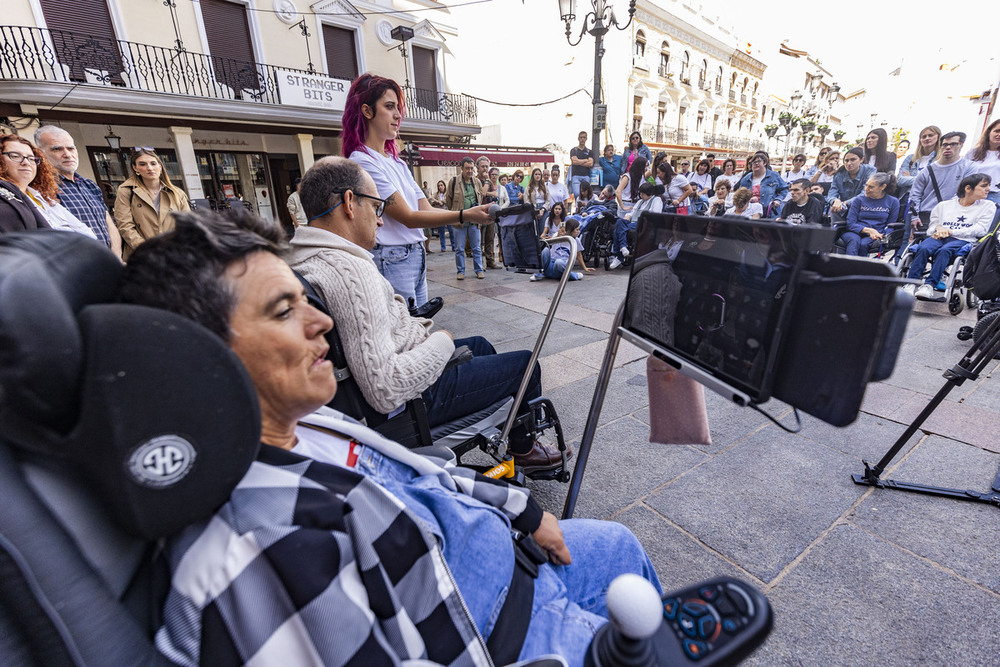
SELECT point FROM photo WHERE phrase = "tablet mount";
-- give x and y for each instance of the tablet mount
(981, 353)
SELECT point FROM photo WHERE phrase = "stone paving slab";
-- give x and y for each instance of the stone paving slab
(961, 536)
(762, 502)
(856, 599)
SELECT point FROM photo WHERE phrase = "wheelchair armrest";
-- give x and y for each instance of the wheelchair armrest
(461, 355)
(436, 452)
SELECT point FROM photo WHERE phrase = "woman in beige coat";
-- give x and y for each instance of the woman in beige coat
(146, 201)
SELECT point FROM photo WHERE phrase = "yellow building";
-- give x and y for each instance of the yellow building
(237, 96)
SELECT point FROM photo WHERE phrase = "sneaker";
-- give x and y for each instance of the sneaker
(615, 263)
(625, 252)
(909, 289)
(941, 286)
(542, 457)
(925, 291)
(535, 277)
(575, 275)
(480, 274)
(460, 276)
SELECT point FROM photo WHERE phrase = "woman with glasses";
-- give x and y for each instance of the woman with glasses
(635, 149)
(372, 115)
(146, 202)
(33, 201)
(820, 160)
(798, 169)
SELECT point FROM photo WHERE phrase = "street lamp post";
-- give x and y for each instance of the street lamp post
(600, 21)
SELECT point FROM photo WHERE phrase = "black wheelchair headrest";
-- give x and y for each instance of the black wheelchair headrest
(154, 413)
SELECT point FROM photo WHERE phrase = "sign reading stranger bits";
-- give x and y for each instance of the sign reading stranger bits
(316, 92)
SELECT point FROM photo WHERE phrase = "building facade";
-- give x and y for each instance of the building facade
(238, 97)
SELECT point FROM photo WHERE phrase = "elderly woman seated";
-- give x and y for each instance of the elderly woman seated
(350, 548)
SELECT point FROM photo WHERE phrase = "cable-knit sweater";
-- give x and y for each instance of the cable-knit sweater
(393, 356)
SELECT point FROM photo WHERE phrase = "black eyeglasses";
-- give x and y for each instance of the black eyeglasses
(17, 158)
(381, 202)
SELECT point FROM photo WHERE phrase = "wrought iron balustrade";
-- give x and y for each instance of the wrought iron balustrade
(664, 71)
(36, 54)
(743, 100)
(732, 95)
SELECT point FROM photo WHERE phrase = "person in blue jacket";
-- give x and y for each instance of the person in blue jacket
(765, 184)
(870, 214)
(848, 183)
(611, 167)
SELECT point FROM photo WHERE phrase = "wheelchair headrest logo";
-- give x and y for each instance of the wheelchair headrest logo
(162, 461)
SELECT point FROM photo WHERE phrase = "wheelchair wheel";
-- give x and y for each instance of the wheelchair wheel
(982, 325)
(955, 303)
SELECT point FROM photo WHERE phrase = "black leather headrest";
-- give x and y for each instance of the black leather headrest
(163, 418)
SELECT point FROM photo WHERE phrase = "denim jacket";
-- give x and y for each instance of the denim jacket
(612, 169)
(914, 168)
(844, 187)
(772, 187)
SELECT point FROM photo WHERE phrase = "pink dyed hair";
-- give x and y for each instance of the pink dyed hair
(367, 89)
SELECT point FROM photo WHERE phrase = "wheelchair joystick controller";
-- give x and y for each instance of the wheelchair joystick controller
(635, 613)
(716, 622)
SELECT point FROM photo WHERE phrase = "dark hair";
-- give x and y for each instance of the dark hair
(296, 182)
(668, 172)
(857, 150)
(651, 189)
(571, 225)
(325, 176)
(634, 134)
(971, 182)
(804, 182)
(366, 89)
(886, 179)
(586, 187)
(881, 151)
(979, 152)
(467, 160)
(710, 155)
(727, 161)
(183, 270)
(799, 156)
(658, 158)
(961, 136)
(561, 217)
(636, 175)
(706, 163)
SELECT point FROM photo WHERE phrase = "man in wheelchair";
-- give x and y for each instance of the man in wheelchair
(395, 357)
(954, 223)
(340, 546)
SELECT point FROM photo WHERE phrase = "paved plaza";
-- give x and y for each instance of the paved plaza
(855, 575)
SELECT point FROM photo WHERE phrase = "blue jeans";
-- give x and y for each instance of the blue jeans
(553, 268)
(475, 241)
(622, 227)
(569, 604)
(574, 184)
(451, 235)
(480, 382)
(942, 251)
(405, 267)
(995, 198)
(857, 244)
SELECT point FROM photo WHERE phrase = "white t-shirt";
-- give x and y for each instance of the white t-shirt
(557, 192)
(733, 180)
(752, 209)
(991, 166)
(794, 175)
(326, 447)
(391, 176)
(703, 181)
(677, 187)
(563, 250)
(58, 216)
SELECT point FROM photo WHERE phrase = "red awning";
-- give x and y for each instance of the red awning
(452, 157)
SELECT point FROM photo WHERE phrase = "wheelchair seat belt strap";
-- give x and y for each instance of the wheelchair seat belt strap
(511, 627)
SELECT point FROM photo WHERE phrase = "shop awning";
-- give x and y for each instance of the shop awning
(436, 156)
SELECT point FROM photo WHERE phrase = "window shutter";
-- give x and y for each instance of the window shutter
(228, 35)
(425, 78)
(93, 47)
(341, 56)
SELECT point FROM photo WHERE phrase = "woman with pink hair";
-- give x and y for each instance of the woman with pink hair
(372, 116)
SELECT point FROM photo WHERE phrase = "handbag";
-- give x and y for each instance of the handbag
(677, 412)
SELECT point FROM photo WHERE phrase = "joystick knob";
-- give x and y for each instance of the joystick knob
(634, 606)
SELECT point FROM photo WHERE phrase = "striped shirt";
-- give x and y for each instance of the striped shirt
(83, 198)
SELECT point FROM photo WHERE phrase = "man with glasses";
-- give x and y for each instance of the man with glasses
(394, 357)
(939, 181)
(685, 170)
(79, 195)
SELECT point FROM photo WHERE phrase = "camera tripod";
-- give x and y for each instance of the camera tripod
(981, 353)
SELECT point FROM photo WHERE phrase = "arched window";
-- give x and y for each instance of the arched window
(664, 59)
(718, 81)
(703, 74)
(686, 68)
(640, 44)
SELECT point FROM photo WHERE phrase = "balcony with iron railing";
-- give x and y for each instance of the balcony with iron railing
(664, 71)
(732, 95)
(41, 55)
(743, 99)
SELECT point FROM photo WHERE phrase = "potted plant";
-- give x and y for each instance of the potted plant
(808, 125)
(838, 135)
(823, 130)
(785, 118)
(770, 130)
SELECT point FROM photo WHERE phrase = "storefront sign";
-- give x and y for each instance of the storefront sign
(317, 92)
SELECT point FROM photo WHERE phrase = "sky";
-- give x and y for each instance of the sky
(861, 42)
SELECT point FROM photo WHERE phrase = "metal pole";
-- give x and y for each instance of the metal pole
(595, 140)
